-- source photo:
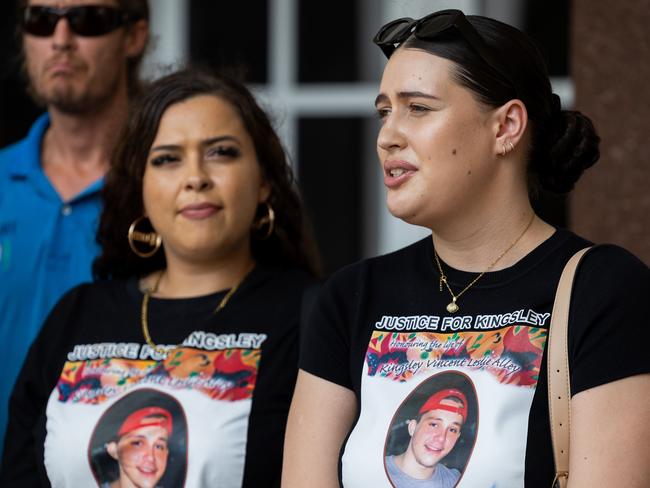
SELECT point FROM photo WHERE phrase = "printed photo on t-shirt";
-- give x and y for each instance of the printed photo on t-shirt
(141, 440)
(495, 363)
(431, 436)
(190, 405)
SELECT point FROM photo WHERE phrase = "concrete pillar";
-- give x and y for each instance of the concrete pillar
(611, 69)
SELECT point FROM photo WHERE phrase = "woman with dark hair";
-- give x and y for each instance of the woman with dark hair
(206, 255)
(470, 128)
(281, 214)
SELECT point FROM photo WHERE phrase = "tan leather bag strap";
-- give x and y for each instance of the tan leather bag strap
(559, 383)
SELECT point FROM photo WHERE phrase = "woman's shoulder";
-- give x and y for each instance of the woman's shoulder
(612, 266)
(609, 310)
(612, 287)
(401, 262)
(281, 277)
(84, 304)
(603, 264)
(279, 286)
(100, 289)
(93, 296)
(614, 257)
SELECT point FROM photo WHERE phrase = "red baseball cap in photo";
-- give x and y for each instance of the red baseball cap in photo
(146, 417)
(433, 402)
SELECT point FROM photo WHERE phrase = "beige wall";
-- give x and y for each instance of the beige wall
(610, 63)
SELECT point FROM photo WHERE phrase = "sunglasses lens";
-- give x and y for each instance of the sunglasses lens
(88, 20)
(39, 21)
(392, 31)
(434, 25)
(94, 20)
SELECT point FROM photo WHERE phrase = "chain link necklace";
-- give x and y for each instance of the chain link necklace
(452, 307)
(145, 308)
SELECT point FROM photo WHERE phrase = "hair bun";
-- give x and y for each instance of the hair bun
(573, 144)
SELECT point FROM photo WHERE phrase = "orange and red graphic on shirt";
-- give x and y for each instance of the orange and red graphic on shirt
(513, 355)
(228, 375)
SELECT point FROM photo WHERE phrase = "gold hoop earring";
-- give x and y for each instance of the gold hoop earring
(511, 146)
(150, 238)
(504, 150)
(268, 219)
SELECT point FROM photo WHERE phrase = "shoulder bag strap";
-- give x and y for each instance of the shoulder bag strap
(559, 384)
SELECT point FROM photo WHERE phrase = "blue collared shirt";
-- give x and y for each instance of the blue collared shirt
(46, 247)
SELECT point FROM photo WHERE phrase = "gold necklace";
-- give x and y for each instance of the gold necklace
(145, 307)
(452, 307)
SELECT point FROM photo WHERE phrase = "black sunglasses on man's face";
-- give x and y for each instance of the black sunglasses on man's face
(84, 20)
(393, 34)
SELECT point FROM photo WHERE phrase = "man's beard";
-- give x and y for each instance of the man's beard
(70, 101)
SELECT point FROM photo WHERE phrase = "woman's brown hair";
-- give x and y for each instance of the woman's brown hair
(291, 243)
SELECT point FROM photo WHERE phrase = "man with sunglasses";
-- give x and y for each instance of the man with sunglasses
(80, 58)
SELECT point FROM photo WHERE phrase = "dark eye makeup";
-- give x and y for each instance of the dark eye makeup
(218, 152)
(163, 159)
(223, 151)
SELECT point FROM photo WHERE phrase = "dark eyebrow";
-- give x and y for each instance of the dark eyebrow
(442, 420)
(416, 94)
(207, 142)
(405, 95)
(214, 140)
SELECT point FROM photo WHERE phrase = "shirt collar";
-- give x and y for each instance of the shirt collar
(29, 165)
(30, 148)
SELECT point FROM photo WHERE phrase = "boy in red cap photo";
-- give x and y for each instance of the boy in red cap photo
(433, 435)
(141, 448)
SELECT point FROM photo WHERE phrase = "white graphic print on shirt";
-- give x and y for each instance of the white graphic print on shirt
(491, 361)
(124, 410)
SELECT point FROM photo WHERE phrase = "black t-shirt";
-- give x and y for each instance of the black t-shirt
(95, 402)
(381, 329)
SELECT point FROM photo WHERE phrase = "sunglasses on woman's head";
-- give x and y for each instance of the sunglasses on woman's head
(84, 20)
(393, 34)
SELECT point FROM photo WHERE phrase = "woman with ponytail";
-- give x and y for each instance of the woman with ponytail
(470, 130)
